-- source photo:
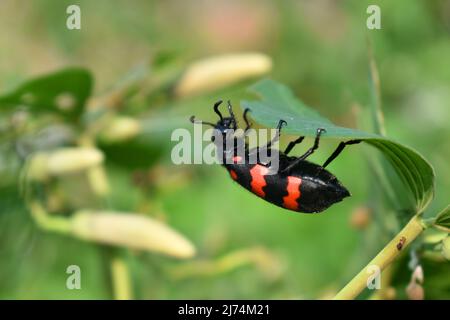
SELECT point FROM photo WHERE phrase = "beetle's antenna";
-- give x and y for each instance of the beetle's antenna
(230, 109)
(193, 120)
(216, 109)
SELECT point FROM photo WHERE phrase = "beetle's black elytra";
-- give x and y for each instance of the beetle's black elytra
(299, 185)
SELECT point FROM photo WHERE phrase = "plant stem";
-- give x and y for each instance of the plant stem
(383, 259)
(120, 279)
(46, 221)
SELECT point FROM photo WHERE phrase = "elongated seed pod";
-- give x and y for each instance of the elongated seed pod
(220, 71)
(63, 161)
(132, 231)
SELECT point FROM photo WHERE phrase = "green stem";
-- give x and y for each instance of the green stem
(384, 258)
(120, 279)
(48, 222)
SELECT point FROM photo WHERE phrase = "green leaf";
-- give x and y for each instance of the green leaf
(138, 153)
(443, 219)
(64, 92)
(278, 102)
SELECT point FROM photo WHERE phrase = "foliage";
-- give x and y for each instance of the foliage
(64, 92)
(279, 103)
(109, 146)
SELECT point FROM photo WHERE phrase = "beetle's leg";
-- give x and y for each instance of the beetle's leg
(307, 153)
(292, 144)
(269, 144)
(276, 138)
(247, 123)
(281, 123)
(338, 150)
(315, 146)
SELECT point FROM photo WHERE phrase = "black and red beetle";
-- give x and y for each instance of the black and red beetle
(298, 185)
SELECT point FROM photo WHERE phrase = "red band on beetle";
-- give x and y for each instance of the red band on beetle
(258, 182)
(293, 189)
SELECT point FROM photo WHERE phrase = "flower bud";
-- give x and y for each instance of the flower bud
(417, 275)
(132, 231)
(415, 291)
(434, 237)
(63, 161)
(360, 218)
(220, 71)
(120, 129)
(70, 160)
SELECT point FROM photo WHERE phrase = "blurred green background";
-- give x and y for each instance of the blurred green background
(319, 49)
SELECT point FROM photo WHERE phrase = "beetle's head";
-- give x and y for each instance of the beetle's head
(224, 125)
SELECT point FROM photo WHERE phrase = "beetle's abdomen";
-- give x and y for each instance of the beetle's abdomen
(294, 192)
(318, 195)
